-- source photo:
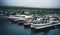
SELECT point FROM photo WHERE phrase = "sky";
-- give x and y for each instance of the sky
(32, 3)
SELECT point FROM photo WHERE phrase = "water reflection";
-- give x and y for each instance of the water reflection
(45, 31)
(27, 27)
(15, 29)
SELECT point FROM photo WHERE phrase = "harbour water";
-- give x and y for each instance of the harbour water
(10, 28)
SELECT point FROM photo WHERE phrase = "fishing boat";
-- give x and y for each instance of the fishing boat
(14, 17)
(45, 22)
(25, 19)
(28, 21)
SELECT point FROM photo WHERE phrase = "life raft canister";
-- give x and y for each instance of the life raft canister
(25, 21)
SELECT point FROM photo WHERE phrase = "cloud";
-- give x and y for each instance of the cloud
(33, 3)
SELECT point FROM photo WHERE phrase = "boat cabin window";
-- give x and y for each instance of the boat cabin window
(17, 16)
(54, 22)
(55, 19)
(35, 18)
(28, 18)
(36, 22)
(22, 16)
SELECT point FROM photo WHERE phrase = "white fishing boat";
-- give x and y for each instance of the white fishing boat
(45, 22)
(25, 17)
(22, 18)
(28, 21)
(14, 17)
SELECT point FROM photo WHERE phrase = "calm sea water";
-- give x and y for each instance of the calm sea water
(9, 28)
